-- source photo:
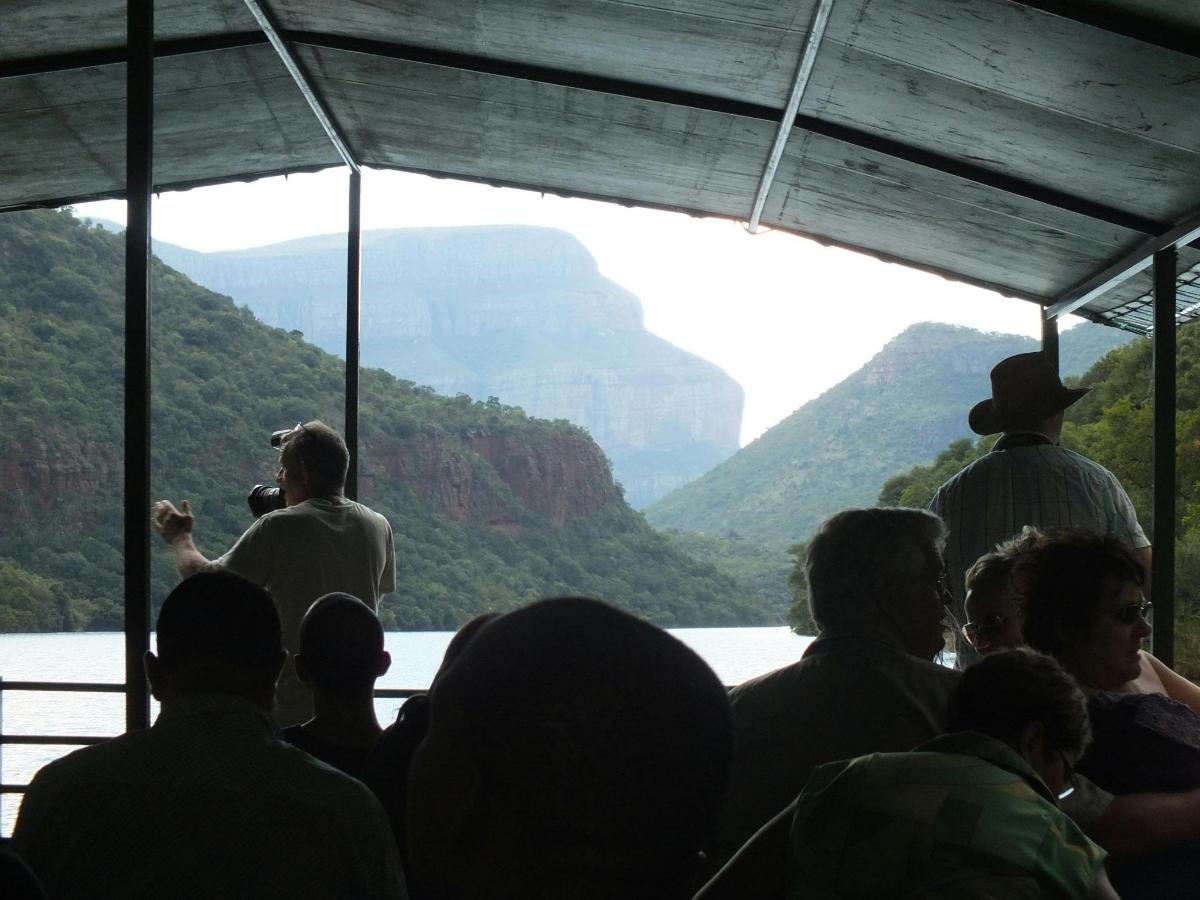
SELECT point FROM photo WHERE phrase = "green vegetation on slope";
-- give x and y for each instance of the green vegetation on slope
(490, 508)
(900, 409)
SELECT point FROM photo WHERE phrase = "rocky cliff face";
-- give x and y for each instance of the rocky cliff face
(490, 479)
(518, 313)
(60, 479)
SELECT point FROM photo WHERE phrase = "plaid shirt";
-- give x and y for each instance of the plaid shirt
(1044, 485)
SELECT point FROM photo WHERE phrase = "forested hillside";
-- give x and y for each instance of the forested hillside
(490, 507)
(1112, 425)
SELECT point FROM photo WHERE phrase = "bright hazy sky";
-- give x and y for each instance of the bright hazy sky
(786, 317)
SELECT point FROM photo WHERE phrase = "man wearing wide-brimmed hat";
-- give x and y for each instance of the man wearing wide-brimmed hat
(1028, 479)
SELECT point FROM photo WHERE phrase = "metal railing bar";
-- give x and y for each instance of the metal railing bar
(80, 686)
(55, 739)
(105, 688)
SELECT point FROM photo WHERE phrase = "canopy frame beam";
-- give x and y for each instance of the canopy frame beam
(318, 106)
(808, 58)
(1136, 260)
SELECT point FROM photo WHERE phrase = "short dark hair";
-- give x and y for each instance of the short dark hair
(322, 451)
(856, 554)
(341, 641)
(1002, 693)
(600, 731)
(222, 616)
(1064, 579)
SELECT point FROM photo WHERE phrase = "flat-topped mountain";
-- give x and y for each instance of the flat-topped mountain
(514, 312)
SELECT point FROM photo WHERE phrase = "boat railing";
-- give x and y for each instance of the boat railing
(83, 740)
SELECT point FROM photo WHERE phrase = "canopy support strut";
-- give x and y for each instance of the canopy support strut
(353, 321)
(808, 57)
(139, 159)
(1050, 339)
(1162, 576)
(1136, 260)
(292, 64)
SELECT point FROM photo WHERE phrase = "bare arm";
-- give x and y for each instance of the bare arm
(175, 525)
(1142, 824)
(1175, 685)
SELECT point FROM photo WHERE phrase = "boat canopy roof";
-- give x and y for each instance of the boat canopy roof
(1043, 149)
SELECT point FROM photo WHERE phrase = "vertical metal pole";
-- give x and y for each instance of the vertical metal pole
(1050, 338)
(353, 315)
(1162, 578)
(139, 136)
(1, 744)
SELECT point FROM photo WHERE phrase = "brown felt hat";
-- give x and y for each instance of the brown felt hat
(1026, 390)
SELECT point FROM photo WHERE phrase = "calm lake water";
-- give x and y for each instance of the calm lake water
(735, 654)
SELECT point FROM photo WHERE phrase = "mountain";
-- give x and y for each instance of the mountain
(519, 313)
(902, 408)
(490, 508)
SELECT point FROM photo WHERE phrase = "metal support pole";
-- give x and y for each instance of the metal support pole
(139, 137)
(1162, 578)
(353, 315)
(1, 743)
(1050, 338)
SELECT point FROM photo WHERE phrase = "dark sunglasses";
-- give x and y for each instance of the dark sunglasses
(989, 626)
(1129, 613)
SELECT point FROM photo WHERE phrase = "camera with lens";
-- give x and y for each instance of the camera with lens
(262, 498)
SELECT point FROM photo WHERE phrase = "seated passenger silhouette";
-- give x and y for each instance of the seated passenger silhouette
(971, 814)
(573, 752)
(341, 655)
(866, 684)
(207, 802)
(386, 769)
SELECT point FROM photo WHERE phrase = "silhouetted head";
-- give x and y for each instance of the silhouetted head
(573, 751)
(313, 460)
(880, 572)
(1028, 701)
(465, 634)
(217, 632)
(1084, 605)
(341, 646)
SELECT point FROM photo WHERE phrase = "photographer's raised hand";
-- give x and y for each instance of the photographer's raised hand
(175, 525)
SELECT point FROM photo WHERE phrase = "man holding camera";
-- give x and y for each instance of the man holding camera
(319, 543)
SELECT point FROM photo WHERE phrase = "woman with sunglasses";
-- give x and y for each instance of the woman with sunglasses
(1083, 604)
